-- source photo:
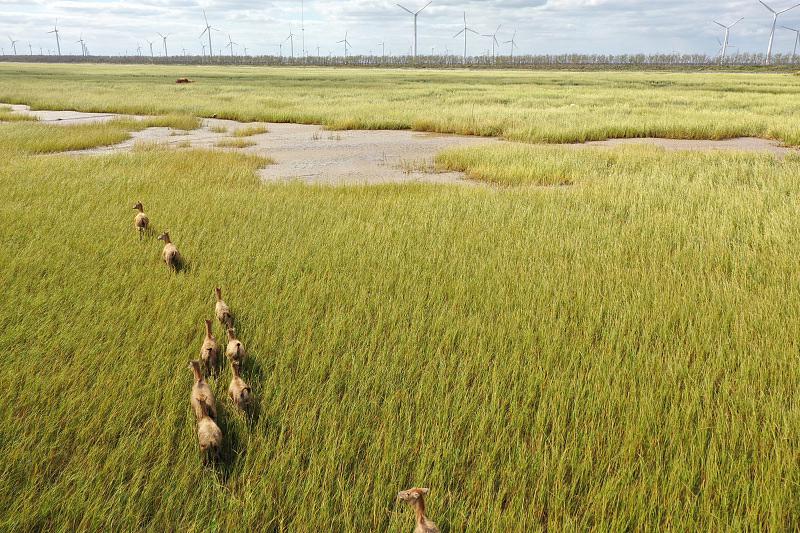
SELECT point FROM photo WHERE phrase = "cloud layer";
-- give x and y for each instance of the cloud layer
(542, 26)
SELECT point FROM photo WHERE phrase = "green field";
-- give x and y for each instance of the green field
(603, 339)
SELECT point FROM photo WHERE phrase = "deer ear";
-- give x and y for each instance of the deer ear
(424, 491)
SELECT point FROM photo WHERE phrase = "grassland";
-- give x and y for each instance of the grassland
(619, 353)
(529, 106)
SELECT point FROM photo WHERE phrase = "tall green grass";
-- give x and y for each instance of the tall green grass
(617, 355)
(549, 107)
(36, 138)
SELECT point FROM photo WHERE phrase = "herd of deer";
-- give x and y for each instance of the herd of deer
(240, 393)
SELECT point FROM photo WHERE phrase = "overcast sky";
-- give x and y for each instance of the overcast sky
(543, 26)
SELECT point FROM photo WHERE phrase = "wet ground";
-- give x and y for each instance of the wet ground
(315, 155)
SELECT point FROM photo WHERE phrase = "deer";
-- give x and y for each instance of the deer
(416, 498)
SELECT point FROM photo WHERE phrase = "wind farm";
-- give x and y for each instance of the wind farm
(518, 53)
(451, 266)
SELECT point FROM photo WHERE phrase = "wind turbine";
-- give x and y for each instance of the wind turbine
(302, 27)
(152, 55)
(14, 44)
(204, 48)
(774, 24)
(346, 44)
(495, 42)
(290, 38)
(58, 41)
(513, 43)
(415, 14)
(796, 41)
(30, 48)
(139, 49)
(231, 44)
(727, 36)
(164, 38)
(208, 30)
(83, 45)
(465, 31)
(383, 51)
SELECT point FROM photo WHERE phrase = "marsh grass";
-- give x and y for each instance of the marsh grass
(548, 107)
(618, 355)
(249, 131)
(218, 129)
(234, 143)
(38, 138)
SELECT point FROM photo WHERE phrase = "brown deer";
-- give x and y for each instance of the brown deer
(209, 351)
(208, 434)
(170, 254)
(140, 221)
(201, 398)
(222, 310)
(416, 499)
(235, 350)
(239, 391)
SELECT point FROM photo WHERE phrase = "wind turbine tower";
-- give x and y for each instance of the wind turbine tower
(727, 37)
(83, 45)
(58, 41)
(346, 44)
(465, 31)
(774, 24)
(152, 55)
(302, 27)
(415, 15)
(495, 42)
(231, 44)
(164, 38)
(513, 43)
(290, 38)
(208, 30)
(13, 45)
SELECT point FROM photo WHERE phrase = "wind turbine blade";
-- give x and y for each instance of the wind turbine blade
(720, 25)
(426, 5)
(788, 9)
(735, 23)
(405, 8)
(459, 33)
(473, 31)
(765, 5)
(204, 32)
(788, 28)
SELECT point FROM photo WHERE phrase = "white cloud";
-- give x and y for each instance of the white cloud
(544, 26)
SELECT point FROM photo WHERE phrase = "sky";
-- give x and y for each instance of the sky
(116, 27)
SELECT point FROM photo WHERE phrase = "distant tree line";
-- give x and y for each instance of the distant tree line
(555, 61)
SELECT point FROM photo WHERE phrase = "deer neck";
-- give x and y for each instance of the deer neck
(419, 511)
(198, 377)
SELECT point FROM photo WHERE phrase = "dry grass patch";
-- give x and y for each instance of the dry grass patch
(249, 131)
